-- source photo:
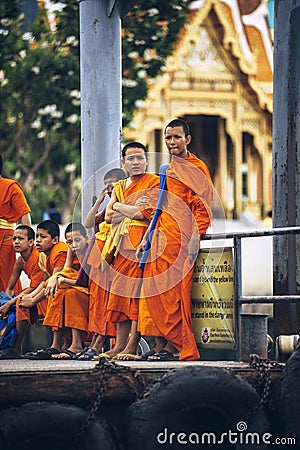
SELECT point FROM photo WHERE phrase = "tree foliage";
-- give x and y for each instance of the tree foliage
(39, 90)
(40, 107)
(149, 33)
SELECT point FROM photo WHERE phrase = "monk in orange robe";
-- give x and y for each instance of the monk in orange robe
(99, 280)
(175, 244)
(128, 211)
(23, 243)
(53, 254)
(68, 302)
(13, 208)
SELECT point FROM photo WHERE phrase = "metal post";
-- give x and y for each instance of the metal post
(100, 71)
(238, 289)
(286, 161)
(253, 336)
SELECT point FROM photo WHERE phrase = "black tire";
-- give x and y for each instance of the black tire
(288, 404)
(143, 346)
(49, 426)
(196, 400)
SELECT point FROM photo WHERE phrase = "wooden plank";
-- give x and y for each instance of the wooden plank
(76, 382)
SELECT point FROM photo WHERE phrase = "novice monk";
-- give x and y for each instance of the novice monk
(47, 242)
(175, 244)
(28, 261)
(99, 328)
(68, 303)
(132, 222)
(94, 216)
(13, 208)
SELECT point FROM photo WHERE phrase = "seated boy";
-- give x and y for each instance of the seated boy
(28, 261)
(68, 303)
(48, 243)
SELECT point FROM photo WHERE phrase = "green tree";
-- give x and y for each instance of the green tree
(149, 33)
(39, 90)
(40, 111)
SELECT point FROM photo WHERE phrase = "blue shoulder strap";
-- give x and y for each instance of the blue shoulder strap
(162, 188)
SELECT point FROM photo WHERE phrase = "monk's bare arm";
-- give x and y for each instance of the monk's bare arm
(194, 246)
(16, 273)
(26, 219)
(93, 213)
(130, 211)
(109, 212)
(33, 298)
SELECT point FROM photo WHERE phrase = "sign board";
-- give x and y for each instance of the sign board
(213, 309)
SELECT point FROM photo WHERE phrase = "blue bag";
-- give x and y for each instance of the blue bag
(8, 332)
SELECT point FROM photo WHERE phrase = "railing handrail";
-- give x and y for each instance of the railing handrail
(239, 298)
(253, 233)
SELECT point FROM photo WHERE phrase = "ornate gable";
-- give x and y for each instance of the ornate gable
(213, 67)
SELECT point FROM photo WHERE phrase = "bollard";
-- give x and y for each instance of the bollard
(253, 336)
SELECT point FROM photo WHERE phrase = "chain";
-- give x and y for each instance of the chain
(106, 370)
(263, 367)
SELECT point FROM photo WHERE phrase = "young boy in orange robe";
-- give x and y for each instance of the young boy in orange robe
(99, 280)
(68, 302)
(55, 253)
(28, 261)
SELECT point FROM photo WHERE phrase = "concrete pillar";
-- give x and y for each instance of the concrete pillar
(238, 156)
(100, 84)
(222, 144)
(286, 160)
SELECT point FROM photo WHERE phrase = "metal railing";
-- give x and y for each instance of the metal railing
(239, 298)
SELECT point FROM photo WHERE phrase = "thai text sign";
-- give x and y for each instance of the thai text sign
(213, 310)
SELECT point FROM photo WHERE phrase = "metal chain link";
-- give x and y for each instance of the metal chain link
(106, 369)
(263, 366)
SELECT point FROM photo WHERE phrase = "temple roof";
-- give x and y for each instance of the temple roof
(247, 32)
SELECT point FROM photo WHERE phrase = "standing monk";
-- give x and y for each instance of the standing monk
(175, 243)
(133, 221)
(13, 208)
(98, 279)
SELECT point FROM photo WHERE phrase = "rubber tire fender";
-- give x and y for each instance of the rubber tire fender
(289, 397)
(50, 425)
(195, 400)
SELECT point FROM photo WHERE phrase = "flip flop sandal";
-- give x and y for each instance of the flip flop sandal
(7, 353)
(149, 353)
(43, 354)
(83, 351)
(88, 355)
(101, 355)
(164, 355)
(69, 353)
(126, 357)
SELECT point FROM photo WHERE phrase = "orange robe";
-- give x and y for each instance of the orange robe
(36, 277)
(124, 295)
(168, 271)
(57, 257)
(13, 206)
(69, 306)
(99, 287)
